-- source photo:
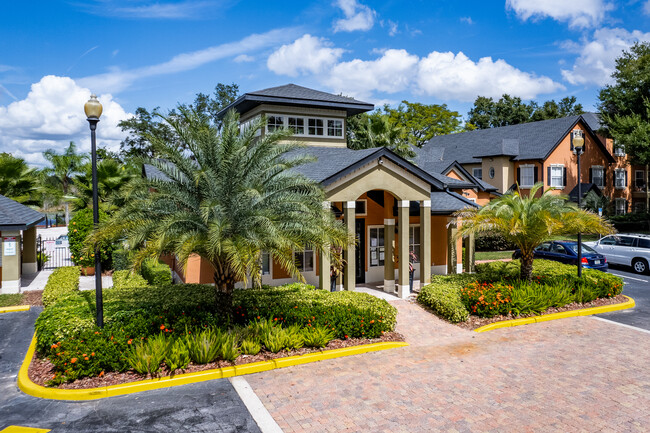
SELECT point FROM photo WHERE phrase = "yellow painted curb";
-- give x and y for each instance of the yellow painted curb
(19, 429)
(573, 313)
(30, 388)
(14, 308)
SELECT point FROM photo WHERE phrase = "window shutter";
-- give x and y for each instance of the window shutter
(535, 175)
(626, 178)
(591, 175)
(625, 210)
(604, 177)
(519, 175)
(548, 175)
(563, 176)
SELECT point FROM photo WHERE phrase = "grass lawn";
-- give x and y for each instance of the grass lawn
(493, 255)
(11, 300)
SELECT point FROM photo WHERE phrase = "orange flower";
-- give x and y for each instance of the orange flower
(162, 326)
(86, 358)
(129, 342)
(73, 360)
(96, 332)
(101, 373)
(92, 354)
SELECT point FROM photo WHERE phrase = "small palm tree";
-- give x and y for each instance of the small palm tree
(112, 176)
(527, 221)
(378, 130)
(18, 181)
(60, 176)
(230, 196)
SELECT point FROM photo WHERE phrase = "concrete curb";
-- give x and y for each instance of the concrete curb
(14, 308)
(556, 316)
(30, 388)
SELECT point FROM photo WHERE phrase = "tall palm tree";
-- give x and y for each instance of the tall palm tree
(378, 130)
(17, 180)
(527, 221)
(111, 178)
(227, 198)
(64, 167)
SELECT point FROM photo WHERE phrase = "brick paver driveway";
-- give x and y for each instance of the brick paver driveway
(570, 375)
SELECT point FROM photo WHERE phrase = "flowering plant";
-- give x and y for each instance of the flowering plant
(487, 299)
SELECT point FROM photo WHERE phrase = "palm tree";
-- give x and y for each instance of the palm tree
(17, 180)
(64, 167)
(111, 178)
(378, 130)
(527, 221)
(227, 198)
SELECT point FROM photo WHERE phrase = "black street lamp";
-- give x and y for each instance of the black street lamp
(93, 110)
(578, 143)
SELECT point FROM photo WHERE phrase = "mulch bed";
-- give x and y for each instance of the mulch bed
(40, 369)
(476, 322)
(33, 298)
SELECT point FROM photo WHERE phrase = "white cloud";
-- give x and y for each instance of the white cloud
(117, 80)
(578, 13)
(446, 76)
(52, 115)
(597, 59)
(188, 9)
(357, 16)
(243, 58)
(467, 20)
(308, 54)
(646, 7)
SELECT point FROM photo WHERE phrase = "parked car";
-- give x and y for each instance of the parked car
(567, 252)
(625, 249)
(62, 242)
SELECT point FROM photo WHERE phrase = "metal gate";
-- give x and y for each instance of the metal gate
(53, 253)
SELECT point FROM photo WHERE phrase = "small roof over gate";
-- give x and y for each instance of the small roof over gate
(16, 216)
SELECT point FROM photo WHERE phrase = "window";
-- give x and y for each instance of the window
(491, 173)
(619, 150)
(273, 123)
(297, 124)
(620, 178)
(477, 173)
(639, 179)
(639, 207)
(558, 249)
(360, 207)
(624, 241)
(557, 176)
(335, 128)
(376, 246)
(608, 240)
(527, 176)
(304, 259)
(644, 243)
(597, 176)
(545, 246)
(315, 127)
(621, 206)
(266, 263)
(249, 124)
(414, 241)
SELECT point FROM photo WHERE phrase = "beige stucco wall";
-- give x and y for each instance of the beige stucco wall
(504, 171)
(11, 266)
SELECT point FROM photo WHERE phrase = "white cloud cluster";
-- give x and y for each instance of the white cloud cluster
(646, 7)
(578, 13)
(357, 16)
(597, 59)
(446, 76)
(307, 54)
(52, 115)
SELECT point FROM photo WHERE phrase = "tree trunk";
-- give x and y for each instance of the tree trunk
(67, 215)
(224, 284)
(526, 270)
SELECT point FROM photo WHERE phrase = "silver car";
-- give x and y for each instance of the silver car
(625, 249)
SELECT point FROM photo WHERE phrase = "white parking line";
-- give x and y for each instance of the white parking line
(621, 324)
(631, 278)
(262, 417)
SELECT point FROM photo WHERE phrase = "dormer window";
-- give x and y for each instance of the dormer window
(274, 123)
(315, 127)
(335, 128)
(297, 124)
(306, 126)
(618, 149)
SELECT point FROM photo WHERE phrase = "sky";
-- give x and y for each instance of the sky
(158, 53)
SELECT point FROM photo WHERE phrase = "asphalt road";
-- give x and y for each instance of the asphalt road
(212, 406)
(636, 287)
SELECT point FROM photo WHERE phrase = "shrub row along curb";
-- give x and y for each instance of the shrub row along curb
(14, 308)
(555, 316)
(30, 388)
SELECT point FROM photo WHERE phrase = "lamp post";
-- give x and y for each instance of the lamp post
(93, 110)
(578, 142)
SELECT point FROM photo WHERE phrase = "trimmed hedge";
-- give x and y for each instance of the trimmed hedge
(443, 296)
(492, 242)
(63, 281)
(81, 225)
(156, 273)
(123, 279)
(122, 259)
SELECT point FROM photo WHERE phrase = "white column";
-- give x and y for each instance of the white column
(324, 279)
(389, 266)
(425, 242)
(403, 289)
(349, 215)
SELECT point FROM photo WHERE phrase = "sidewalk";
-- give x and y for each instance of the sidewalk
(578, 374)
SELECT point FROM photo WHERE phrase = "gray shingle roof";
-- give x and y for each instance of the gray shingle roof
(329, 160)
(17, 216)
(534, 140)
(446, 202)
(291, 94)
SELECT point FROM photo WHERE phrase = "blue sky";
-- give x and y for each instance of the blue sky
(158, 53)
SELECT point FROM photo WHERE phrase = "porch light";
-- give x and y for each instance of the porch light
(577, 140)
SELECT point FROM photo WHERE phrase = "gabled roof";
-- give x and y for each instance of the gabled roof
(433, 164)
(447, 202)
(526, 141)
(584, 189)
(291, 94)
(16, 216)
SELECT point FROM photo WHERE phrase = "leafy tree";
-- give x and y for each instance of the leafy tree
(421, 122)
(366, 131)
(60, 177)
(553, 110)
(145, 123)
(18, 181)
(527, 221)
(625, 106)
(229, 197)
(111, 178)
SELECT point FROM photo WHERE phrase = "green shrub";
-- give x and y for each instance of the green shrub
(63, 281)
(442, 295)
(487, 299)
(228, 349)
(536, 298)
(250, 347)
(492, 242)
(347, 314)
(156, 273)
(81, 225)
(178, 356)
(125, 278)
(204, 346)
(146, 356)
(122, 259)
(274, 339)
(317, 336)
(293, 337)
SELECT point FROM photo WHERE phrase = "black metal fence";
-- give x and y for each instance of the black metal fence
(52, 253)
